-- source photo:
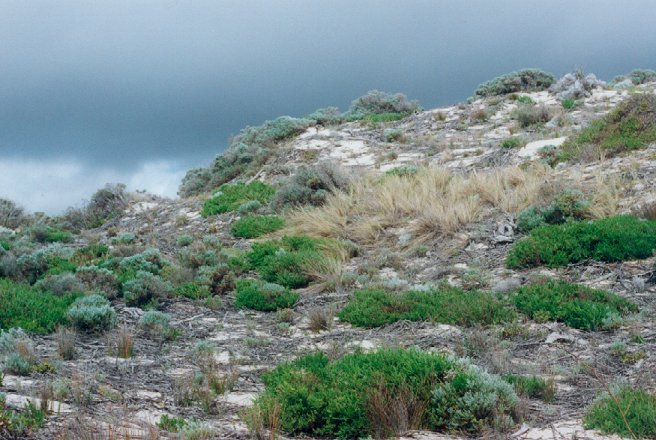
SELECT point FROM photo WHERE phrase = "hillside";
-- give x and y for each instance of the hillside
(481, 270)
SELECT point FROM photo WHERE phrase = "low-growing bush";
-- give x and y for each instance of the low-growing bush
(51, 260)
(448, 305)
(31, 309)
(193, 291)
(568, 205)
(568, 104)
(60, 284)
(92, 313)
(526, 80)
(637, 77)
(375, 118)
(157, 325)
(629, 126)
(254, 226)
(17, 354)
(229, 197)
(311, 185)
(528, 115)
(611, 239)
(535, 387)
(628, 412)
(265, 297)
(16, 424)
(219, 279)
(145, 288)
(383, 394)
(576, 305)
(97, 279)
(512, 142)
(377, 102)
(326, 116)
(184, 240)
(12, 216)
(47, 234)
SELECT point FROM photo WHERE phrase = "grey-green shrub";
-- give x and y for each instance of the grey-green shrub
(150, 260)
(12, 216)
(326, 116)
(144, 288)
(311, 185)
(249, 207)
(60, 284)
(97, 279)
(184, 240)
(377, 102)
(16, 352)
(92, 313)
(525, 80)
(156, 324)
(106, 203)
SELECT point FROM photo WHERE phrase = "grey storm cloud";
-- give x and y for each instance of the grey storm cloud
(117, 84)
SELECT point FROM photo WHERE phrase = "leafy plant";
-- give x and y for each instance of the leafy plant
(448, 305)
(535, 387)
(311, 185)
(512, 142)
(229, 197)
(254, 226)
(628, 412)
(157, 325)
(92, 313)
(526, 80)
(576, 305)
(145, 288)
(265, 297)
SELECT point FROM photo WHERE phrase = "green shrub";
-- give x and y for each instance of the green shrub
(157, 325)
(265, 297)
(384, 117)
(526, 80)
(230, 197)
(534, 387)
(60, 284)
(47, 234)
(17, 354)
(97, 279)
(637, 76)
(525, 99)
(12, 216)
(193, 291)
(171, 424)
(254, 226)
(529, 115)
(350, 397)
(576, 305)
(611, 239)
(145, 288)
(637, 407)
(16, 424)
(393, 135)
(394, 106)
(568, 205)
(448, 305)
(105, 204)
(512, 142)
(284, 261)
(568, 104)
(90, 254)
(326, 116)
(311, 185)
(249, 207)
(630, 126)
(126, 238)
(92, 313)
(150, 260)
(52, 260)
(31, 309)
(403, 171)
(184, 240)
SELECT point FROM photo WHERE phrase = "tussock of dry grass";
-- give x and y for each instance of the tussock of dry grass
(433, 202)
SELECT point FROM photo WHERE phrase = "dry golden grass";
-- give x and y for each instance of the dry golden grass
(433, 202)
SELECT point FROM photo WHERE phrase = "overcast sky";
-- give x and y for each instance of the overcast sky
(140, 91)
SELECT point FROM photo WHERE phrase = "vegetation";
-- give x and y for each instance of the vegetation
(534, 387)
(512, 142)
(230, 197)
(568, 104)
(105, 204)
(145, 289)
(448, 305)
(30, 308)
(529, 115)
(611, 239)
(637, 76)
(12, 216)
(19, 424)
(253, 226)
(630, 126)
(386, 107)
(157, 325)
(568, 205)
(265, 297)
(384, 393)
(16, 352)
(311, 185)
(526, 80)
(384, 117)
(92, 313)
(628, 412)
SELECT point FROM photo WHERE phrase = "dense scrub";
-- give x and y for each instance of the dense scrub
(262, 296)
(448, 305)
(629, 413)
(526, 80)
(230, 197)
(611, 239)
(253, 226)
(384, 394)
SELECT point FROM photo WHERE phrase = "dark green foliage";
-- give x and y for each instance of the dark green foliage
(512, 142)
(231, 196)
(534, 387)
(568, 205)
(638, 406)
(48, 234)
(384, 117)
(265, 297)
(19, 424)
(568, 104)
(525, 99)
(90, 254)
(145, 288)
(283, 261)
(193, 291)
(576, 305)
(630, 126)
(526, 80)
(311, 185)
(348, 397)
(92, 313)
(254, 226)
(611, 239)
(171, 424)
(448, 305)
(31, 309)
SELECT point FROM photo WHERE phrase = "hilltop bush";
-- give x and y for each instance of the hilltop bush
(311, 185)
(526, 80)
(611, 239)
(31, 309)
(92, 313)
(265, 297)
(254, 226)
(629, 412)
(105, 204)
(637, 77)
(629, 126)
(60, 284)
(97, 279)
(51, 260)
(447, 305)
(47, 234)
(326, 116)
(576, 305)
(230, 197)
(376, 102)
(12, 216)
(381, 394)
(145, 288)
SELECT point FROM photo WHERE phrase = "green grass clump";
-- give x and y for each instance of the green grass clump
(265, 297)
(568, 104)
(630, 126)
(31, 309)
(351, 397)
(576, 305)
(534, 387)
(512, 142)
(568, 205)
(384, 117)
(525, 99)
(632, 413)
(611, 239)
(254, 226)
(526, 80)
(19, 424)
(448, 305)
(284, 261)
(230, 197)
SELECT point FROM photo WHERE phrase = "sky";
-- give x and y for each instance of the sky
(139, 91)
